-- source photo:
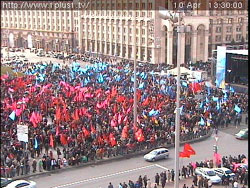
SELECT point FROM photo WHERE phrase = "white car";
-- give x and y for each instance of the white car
(18, 184)
(209, 174)
(157, 154)
(224, 171)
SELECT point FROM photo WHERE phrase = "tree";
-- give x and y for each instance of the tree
(242, 40)
(233, 42)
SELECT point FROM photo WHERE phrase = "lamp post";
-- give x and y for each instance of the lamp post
(180, 30)
(135, 81)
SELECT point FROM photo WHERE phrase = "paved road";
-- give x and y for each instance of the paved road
(98, 176)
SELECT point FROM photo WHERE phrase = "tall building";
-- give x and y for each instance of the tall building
(110, 31)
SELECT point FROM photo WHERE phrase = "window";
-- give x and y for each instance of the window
(218, 38)
(240, 20)
(22, 185)
(238, 37)
(218, 29)
(230, 20)
(143, 40)
(229, 29)
(228, 37)
(238, 28)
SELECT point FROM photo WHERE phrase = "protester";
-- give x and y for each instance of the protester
(87, 112)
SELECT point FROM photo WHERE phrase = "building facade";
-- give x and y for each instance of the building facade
(110, 31)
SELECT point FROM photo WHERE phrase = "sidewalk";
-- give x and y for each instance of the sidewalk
(189, 183)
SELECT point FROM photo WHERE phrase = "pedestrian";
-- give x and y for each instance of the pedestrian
(172, 175)
(184, 186)
(120, 185)
(110, 185)
(40, 165)
(131, 184)
(34, 165)
(140, 181)
(210, 183)
(148, 184)
(157, 179)
(145, 179)
(235, 184)
(195, 180)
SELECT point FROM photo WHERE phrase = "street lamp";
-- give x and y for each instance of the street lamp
(165, 14)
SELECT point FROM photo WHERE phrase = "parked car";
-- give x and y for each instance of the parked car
(243, 134)
(224, 171)
(32, 49)
(209, 174)
(9, 183)
(55, 55)
(60, 56)
(23, 56)
(40, 54)
(157, 154)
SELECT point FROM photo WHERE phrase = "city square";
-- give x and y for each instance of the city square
(123, 94)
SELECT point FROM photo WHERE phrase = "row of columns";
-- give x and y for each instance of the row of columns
(196, 54)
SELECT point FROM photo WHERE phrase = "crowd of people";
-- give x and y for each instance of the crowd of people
(161, 179)
(84, 114)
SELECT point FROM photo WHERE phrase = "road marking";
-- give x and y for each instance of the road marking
(102, 177)
(161, 167)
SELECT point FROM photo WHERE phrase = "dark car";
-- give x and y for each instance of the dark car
(61, 57)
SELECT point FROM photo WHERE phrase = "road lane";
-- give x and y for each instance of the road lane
(227, 145)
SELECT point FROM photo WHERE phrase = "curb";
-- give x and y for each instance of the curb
(99, 162)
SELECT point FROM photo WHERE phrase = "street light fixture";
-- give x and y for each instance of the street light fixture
(176, 19)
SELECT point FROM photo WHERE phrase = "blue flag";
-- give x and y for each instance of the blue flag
(201, 105)
(231, 89)
(218, 106)
(12, 115)
(36, 144)
(100, 79)
(215, 99)
(202, 122)
(184, 84)
(237, 109)
(141, 86)
(207, 101)
(153, 112)
(181, 108)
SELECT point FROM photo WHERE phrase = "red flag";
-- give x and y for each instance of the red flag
(63, 139)
(58, 114)
(85, 132)
(217, 158)
(138, 95)
(188, 149)
(57, 130)
(125, 132)
(121, 98)
(184, 155)
(92, 129)
(112, 140)
(139, 136)
(113, 92)
(146, 102)
(51, 142)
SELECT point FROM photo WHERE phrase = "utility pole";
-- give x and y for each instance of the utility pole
(135, 81)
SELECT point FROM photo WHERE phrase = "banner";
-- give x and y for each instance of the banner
(221, 67)
(30, 41)
(22, 133)
(11, 40)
